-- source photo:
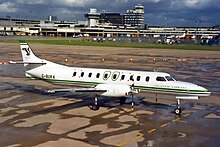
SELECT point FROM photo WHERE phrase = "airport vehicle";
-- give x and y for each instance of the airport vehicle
(167, 41)
(107, 82)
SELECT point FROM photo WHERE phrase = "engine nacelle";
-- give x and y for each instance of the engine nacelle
(114, 90)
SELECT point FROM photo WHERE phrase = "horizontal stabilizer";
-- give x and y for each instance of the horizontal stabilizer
(21, 62)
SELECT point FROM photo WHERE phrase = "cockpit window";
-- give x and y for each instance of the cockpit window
(160, 79)
(169, 78)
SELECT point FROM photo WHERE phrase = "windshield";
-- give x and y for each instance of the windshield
(169, 78)
(160, 79)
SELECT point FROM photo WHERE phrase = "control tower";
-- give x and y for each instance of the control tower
(93, 17)
(135, 17)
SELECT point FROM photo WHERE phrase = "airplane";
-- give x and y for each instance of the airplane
(107, 82)
(181, 36)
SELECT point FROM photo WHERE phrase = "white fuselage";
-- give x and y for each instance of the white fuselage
(157, 82)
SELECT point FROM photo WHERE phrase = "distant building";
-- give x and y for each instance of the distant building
(132, 18)
(135, 17)
(111, 18)
(93, 17)
(52, 18)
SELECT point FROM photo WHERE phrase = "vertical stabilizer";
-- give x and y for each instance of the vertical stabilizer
(27, 53)
(29, 59)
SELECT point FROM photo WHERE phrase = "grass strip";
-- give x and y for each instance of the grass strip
(118, 44)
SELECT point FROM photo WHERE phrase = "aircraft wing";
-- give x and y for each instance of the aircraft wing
(82, 90)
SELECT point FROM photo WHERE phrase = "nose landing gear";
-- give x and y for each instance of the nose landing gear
(178, 110)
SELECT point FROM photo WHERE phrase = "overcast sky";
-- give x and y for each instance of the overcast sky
(177, 12)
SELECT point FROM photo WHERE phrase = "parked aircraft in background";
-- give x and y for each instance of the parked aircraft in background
(181, 36)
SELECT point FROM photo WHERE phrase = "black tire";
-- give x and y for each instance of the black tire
(177, 111)
(95, 107)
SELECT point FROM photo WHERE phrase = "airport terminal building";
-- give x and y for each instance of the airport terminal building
(100, 25)
(131, 19)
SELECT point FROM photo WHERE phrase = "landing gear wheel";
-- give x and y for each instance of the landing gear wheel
(95, 107)
(178, 111)
(132, 97)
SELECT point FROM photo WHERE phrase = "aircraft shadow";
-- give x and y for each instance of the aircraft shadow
(87, 99)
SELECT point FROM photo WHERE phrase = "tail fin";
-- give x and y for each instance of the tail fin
(30, 61)
(27, 53)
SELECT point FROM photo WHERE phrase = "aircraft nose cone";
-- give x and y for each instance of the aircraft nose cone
(196, 89)
(200, 88)
(203, 91)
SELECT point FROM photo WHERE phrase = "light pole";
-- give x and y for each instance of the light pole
(165, 19)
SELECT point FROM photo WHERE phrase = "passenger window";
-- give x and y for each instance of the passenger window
(98, 74)
(82, 74)
(138, 78)
(132, 78)
(106, 76)
(161, 79)
(90, 75)
(122, 77)
(74, 74)
(114, 76)
(147, 79)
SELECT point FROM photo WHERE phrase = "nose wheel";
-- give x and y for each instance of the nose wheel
(95, 107)
(178, 110)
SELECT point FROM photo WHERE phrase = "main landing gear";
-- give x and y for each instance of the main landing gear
(178, 110)
(132, 102)
(132, 97)
(123, 100)
(95, 105)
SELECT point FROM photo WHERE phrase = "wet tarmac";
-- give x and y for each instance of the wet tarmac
(30, 117)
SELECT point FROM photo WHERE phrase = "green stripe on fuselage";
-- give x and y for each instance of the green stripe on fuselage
(170, 89)
(138, 87)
